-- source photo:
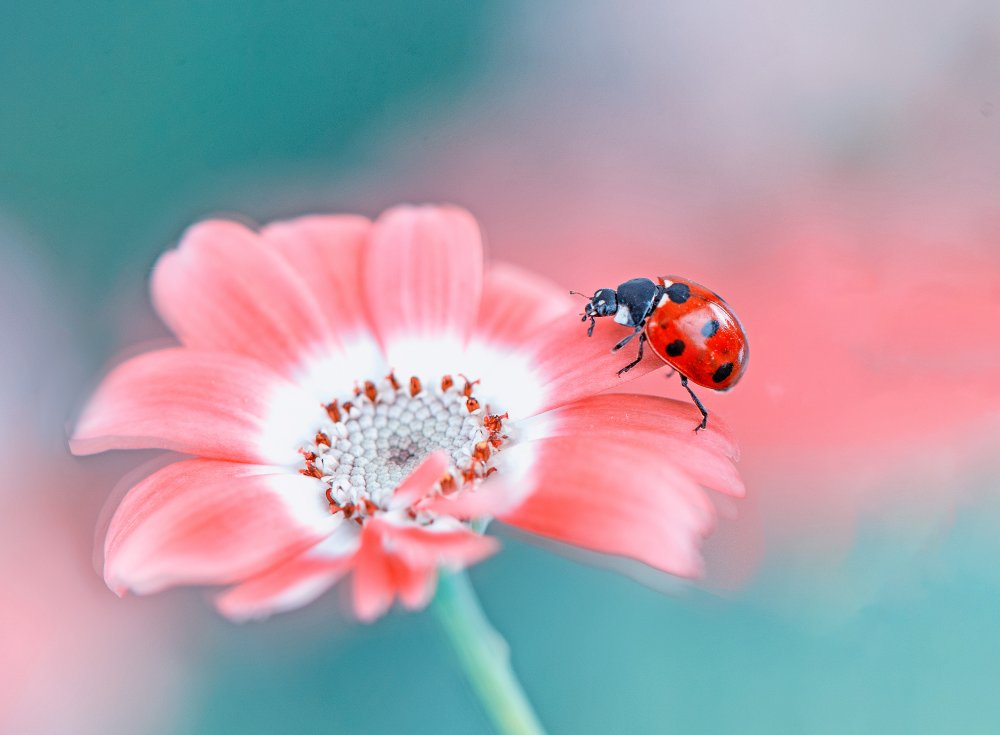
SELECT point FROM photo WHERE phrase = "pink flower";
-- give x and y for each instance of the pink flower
(356, 393)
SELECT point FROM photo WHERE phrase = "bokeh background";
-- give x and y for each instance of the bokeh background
(832, 168)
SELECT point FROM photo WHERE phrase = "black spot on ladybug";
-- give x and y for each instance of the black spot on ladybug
(723, 372)
(710, 328)
(675, 348)
(679, 292)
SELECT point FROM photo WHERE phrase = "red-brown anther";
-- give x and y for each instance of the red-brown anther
(370, 507)
(469, 474)
(481, 452)
(496, 440)
(311, 470)
(447, 484)
(446, 383)
(308, 455)
(370, 391)
(357, 389)
(347, 407)
(472, 404)
(333, 411)
(494, 422)
(490, 471)
(391, 377)
(415, 386)
(321, 438)
(467, 390)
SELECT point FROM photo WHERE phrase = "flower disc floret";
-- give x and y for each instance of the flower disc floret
(372, 441)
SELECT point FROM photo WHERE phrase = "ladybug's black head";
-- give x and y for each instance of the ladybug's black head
(604, 302)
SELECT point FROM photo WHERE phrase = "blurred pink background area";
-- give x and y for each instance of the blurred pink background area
(75, 659)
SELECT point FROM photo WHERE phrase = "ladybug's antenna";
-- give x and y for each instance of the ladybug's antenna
(583, 314)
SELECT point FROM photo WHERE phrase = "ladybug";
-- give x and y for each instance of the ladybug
(689, 327)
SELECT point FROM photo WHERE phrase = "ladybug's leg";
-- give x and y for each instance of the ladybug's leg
(638, 359)
(704, 413)
(638, 330)
(590, 329)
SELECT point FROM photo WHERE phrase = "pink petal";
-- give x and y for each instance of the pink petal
(517, 304)
(403, 560)
(326, 254)
(421, 480)
(423, 280)
(209, 522)
(489, 500)
(373, 582)
(660, 426)
(615, 498)
(380, 579)
(560, 364)
(224, 288)
(416, 586)
(430, 547)
(286, 586)
(212, 404)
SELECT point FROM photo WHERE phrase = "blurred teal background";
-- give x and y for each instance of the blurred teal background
(119, 117)
(123, 122)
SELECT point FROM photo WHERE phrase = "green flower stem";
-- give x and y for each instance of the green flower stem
(485, 657)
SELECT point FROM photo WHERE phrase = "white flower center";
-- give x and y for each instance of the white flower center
(371, 442)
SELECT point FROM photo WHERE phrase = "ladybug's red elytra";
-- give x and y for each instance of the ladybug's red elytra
(689, 327)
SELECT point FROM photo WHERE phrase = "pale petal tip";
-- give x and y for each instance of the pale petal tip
(486, 547)
(368, 612)
(428, 209)
(692, 569)
(119, 589)
(213, 227)
(84, 435)
(236, 613)
(737, 488)
(80, 446)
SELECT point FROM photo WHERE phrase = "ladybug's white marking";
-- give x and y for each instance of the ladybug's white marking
(623, 315)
